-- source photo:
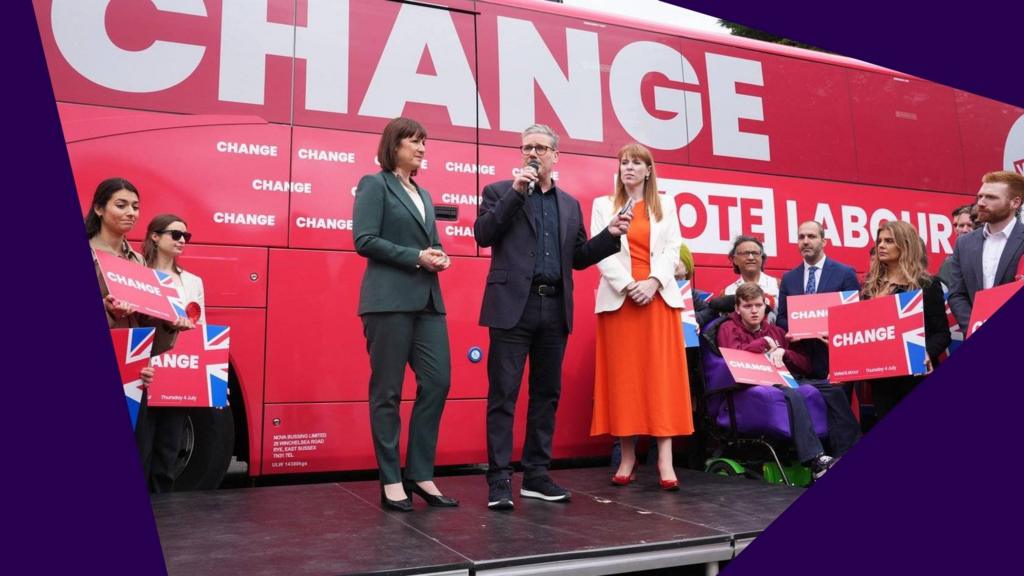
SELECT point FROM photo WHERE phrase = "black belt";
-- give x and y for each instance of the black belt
(545, 289)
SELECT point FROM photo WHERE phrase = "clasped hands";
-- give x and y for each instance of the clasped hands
(433, 260)
(643, 291)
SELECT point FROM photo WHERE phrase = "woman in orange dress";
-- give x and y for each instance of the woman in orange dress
(641, 384)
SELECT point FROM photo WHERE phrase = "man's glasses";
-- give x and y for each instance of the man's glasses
(749, 254)
(177, 235)
(540, 149)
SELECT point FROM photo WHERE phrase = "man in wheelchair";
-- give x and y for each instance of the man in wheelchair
(748, 329)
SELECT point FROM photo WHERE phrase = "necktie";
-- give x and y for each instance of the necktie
(812, 285)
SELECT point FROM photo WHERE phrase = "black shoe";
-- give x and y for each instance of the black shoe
(544, 489)
(438, 500)
(396, 505)
(820, 465)
(499, 496)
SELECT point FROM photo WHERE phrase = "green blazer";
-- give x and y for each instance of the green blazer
(389, 233)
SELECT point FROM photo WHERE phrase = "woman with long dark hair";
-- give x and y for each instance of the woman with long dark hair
(113, 213)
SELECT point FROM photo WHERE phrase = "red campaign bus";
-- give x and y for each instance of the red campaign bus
(254, 119)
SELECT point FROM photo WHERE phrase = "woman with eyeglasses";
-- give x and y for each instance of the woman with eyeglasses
(899, 264)
(641, 383)
(166, 237)
(403, 314)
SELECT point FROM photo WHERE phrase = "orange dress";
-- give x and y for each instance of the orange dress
(641, 385)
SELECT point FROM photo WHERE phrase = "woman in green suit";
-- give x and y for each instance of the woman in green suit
(403, 313)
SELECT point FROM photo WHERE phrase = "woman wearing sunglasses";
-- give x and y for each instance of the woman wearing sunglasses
(161, 432)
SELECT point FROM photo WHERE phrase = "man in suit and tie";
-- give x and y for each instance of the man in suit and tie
(815, 274)
(536, 233)
(990, 255)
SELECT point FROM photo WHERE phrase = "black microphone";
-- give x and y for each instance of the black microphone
(536, 170)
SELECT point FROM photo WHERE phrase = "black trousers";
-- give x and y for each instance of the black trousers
(158, 432)
(801, 428)
(540, 334)
(843, 428)
(886, 393)
(395, 339)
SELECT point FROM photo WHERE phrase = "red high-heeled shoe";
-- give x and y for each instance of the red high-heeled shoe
(625, 480)
(667, 485)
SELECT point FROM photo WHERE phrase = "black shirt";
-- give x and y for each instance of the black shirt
(547, 267)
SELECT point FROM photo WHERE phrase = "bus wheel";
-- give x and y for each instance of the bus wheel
(206, 448)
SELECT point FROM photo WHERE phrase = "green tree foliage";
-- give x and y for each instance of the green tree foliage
(748, 32)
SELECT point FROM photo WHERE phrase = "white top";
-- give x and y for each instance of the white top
(617, 269)
(817, 273)
(992, 251)
(190, 289)
(414, 195)
(767, 283)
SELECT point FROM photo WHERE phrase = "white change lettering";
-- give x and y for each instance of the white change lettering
(133, 283)
(469, 168)
(244, 219)
(807, 314)
(459, 231)
(750, 366)
(524, 61)
(327, 155)
(464, 199)
(322, 43)
(80, 31)
(396, 81)
(871, 336)
(247, 149)
(632, 64)
(323, 223)
(282, 186)
(171, 360)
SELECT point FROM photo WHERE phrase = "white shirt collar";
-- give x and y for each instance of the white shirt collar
(1005, 232)
(820, 263)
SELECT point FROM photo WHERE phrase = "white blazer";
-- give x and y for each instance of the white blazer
(191, 290)
(616, 270)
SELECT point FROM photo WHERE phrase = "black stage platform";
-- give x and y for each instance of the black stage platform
(340, 528)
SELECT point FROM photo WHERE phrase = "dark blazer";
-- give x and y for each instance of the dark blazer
(389, 233)
(505, 224)
(834, 277)
(966, 269)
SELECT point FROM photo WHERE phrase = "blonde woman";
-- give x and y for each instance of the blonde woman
(897, 266)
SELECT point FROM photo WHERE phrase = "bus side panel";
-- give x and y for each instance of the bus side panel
(248, 326)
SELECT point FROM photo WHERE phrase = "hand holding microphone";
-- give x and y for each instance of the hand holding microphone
(526, 181)
(620, 222)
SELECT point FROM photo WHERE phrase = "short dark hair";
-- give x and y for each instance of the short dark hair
(740, 240)
(821, 227)
(393, 134)
(104, 192)
(965, 209)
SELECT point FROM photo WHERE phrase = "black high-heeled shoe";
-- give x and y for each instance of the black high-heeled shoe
(396, 505)
(436, 500)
